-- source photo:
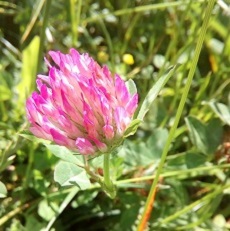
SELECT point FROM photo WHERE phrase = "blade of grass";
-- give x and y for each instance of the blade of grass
(192, 70)
(42, 33)
(138, 9)
(109, 42)
(188, 208)
(75, 20)
(34, 17)
(180, 174)
(66, 201)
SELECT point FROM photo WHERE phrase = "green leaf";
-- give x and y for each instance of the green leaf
(154, 91)
(222, 111)
(47, 209)
(65, 154)
(3, 190)
(205, 138)
(34, 138)
(131, 86)
(132, 128)
(29, 60)
(156, 142)
(144, 153)
(67, 174)
(33, 224)
(193, 159)
(5, 93)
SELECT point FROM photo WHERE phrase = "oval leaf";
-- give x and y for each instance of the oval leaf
(65, 154)
(222, 111)
(205, 138)
(3, 190)
(67, 174)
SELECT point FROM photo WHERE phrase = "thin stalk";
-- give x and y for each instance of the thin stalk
(109, 187)
(62, 207)
(205, 199)
(78, 16)
(75, 20)
(95, 177)
(28, 172)
(181, 174)
(12, 213)
(34, 18)
(110, 44)
(42, 34)
(192, 70)
(141, 9)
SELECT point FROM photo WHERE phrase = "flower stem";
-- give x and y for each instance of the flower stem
(109, 187)
(146, 213)
(42, 33)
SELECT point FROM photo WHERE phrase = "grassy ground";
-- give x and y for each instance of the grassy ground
(193, 190)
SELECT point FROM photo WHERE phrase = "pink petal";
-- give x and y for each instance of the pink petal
(55, 55)
(75, 56)
(122, 119)
(70, 110)
(39, 132)
(132, 104)
(33, 114)
(108, 131)
(101, 146)
(121, 91)
(58, 137)
(84, 146)
(69, 127)
(44, 78)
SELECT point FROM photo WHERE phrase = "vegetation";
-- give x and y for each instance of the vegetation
(183, 141)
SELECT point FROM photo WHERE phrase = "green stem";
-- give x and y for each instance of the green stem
(95, 177)
(181, 106)
(110, 44)
(28, 171)
(42, 34)
(109, 187)
(140, 9)
(205, 199)
(75, 20)
(78, 17)
(179, 174)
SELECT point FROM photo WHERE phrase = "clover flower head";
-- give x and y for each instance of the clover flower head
(80, 104)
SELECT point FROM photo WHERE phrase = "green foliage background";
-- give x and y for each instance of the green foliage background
(194, 188)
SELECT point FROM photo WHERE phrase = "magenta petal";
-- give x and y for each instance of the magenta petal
(132, 104)
(55, 55)
(108, 131)
(122, 119)
(44, 78)
(38, 131)
(33, 114)
(75, 55)
(58, 137)
(101, 146)
(84, 146)
(121, 90)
